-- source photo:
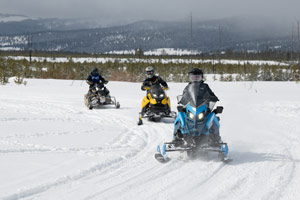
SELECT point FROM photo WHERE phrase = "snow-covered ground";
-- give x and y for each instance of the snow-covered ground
(10, 49)
(171, 51)
(13, 18)
(160, 52)
(53, 147)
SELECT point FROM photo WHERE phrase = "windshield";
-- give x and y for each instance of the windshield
(195, 95)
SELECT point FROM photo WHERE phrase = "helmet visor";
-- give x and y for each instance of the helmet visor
(149, 72)
(195, 78)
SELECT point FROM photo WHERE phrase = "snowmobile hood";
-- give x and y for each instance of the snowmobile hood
(156, 91)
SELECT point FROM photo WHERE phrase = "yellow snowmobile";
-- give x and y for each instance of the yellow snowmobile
(156, 105)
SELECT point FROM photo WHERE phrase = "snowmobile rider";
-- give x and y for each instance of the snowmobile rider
(196, 76)
(95, 79)
(152, 79)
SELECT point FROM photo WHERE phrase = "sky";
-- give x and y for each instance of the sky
(151, 9)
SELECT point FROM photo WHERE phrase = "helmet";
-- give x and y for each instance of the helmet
(195, 75)
(95, 72)
(149, 72)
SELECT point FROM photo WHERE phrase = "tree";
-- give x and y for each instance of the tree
(3, 72)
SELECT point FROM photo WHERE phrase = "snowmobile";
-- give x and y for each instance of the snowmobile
(156, 105)
(196, 128)
(97, 96)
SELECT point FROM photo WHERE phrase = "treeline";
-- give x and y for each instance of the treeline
(134, 71)
(268, 54)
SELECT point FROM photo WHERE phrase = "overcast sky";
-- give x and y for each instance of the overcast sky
(151, 9)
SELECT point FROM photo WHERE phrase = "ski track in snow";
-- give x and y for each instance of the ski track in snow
(122, 164)
(83, 173)
(127, 137)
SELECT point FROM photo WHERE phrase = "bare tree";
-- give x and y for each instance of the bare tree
(298, 44)
(292, 43)
(191, 44)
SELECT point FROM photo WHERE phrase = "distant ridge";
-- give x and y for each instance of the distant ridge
(242, 33)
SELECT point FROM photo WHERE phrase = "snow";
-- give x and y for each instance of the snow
(13, 18)
(159, 51)
(53, 147)
(172, 51)
(10, 48)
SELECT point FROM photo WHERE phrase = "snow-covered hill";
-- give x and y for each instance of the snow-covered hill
(12, 18)
(93, 35)
(53, 147)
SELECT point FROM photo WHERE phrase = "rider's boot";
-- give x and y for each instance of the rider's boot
(177, 139)
(144, 110)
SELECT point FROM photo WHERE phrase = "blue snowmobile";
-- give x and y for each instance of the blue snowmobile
(196, 128)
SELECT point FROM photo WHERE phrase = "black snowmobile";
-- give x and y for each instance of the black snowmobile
(97, 97)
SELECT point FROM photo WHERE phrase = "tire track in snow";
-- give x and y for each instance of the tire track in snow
(137, 177)
(290, 166)
(31, 191)
(128, 136)
(45, 134)
(33, 148)
(288, 110)
(145, 177)
(131, 135)
(38, 108)
(285, 167)
(286, 179)
(140, 142)
(47, 149)
(209, 176)
(140, 179)
(96, 169)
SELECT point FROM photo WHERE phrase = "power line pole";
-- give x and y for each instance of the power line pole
(191, 42)
(220, 43)
(298, 45)
(292, 43)
(30, 46)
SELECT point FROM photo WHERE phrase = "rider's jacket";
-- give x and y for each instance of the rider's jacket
(93, 80)
(152, 81)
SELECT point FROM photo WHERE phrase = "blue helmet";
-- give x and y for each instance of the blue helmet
(95, 72)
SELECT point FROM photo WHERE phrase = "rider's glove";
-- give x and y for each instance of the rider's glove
(100, 85)
(181, 108)
(89, 82)
(148, 84)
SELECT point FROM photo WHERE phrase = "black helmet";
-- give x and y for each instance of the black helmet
(195, 75)
(149, 72)
(95, 72)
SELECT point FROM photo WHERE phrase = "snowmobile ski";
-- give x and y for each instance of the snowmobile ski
(161, 155)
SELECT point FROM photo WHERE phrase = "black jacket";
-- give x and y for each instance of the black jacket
(152, 81)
